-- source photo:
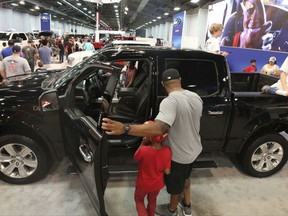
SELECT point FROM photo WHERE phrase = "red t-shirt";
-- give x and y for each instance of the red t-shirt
(250, 69)
(151, 167)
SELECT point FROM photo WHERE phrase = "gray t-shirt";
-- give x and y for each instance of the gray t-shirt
(182, 111)
(29, 52)
(14, 65)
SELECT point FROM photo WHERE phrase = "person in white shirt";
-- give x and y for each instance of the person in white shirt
(212, 44)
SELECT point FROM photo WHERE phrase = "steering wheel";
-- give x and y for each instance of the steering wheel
(95, 87)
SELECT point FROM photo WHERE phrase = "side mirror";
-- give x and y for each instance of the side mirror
(48, 101)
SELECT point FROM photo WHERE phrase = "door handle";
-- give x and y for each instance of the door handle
(215, 112)
(86, 154)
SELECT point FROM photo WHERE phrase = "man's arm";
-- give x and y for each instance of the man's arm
(2, 71)
(148, 130)
(3, 74)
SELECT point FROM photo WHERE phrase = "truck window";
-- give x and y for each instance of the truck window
(199, 76)
(15, 36)
(22, 36)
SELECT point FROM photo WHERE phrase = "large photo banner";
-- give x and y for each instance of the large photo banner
(253, 29)
(256, 24)
(178, 25)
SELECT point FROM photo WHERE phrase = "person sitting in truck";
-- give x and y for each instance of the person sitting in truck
(251, 68)
(130, 73)
(280, 87)
(271, 68)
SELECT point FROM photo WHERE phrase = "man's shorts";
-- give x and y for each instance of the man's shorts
(176, 179)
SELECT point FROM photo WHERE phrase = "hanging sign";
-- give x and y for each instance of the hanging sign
(45, 21)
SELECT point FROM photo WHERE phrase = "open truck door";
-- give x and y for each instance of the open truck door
(85, 103)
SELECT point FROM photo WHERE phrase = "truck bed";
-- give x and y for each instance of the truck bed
(250, 82)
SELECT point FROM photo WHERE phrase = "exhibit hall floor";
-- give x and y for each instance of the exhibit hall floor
(222, 191)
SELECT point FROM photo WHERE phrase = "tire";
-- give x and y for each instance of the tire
(22, 160)
(265, 155)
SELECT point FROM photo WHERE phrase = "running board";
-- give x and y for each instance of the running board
(133, 168)
(123, 169)
(205, 164)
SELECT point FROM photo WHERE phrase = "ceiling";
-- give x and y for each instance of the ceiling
(140, 12)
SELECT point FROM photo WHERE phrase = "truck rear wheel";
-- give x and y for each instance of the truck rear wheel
(22, 161)
(265, 155)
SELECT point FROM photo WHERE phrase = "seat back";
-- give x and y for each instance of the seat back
(141, 99)
(142, 74)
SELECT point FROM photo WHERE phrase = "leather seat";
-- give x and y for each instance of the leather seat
(141, 75)
(136, 113)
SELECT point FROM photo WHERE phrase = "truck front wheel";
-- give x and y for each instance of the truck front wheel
(22, 161)
(265, 155)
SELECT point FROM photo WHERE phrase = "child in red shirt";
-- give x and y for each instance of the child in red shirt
(154, 160)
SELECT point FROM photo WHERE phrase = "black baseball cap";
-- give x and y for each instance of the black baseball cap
(170, 74)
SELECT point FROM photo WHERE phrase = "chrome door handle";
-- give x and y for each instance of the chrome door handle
(215, 112)
(86, 154)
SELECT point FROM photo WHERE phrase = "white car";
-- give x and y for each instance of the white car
(20, 38)
(76, 57)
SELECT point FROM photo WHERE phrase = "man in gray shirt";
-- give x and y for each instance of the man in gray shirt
(30, 54)
(14, 65)
(180, 113)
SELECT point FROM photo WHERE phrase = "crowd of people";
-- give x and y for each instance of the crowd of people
(24, 60)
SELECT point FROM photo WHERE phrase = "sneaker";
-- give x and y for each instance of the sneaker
(163, 210)
(187, 211)
(265, 88)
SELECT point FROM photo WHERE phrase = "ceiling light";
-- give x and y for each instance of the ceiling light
(78, 3)
(115, 6)
(125, 12)
(166, 14)
(62, 18)
(176, 8)
(32, 9)
(59, 3)
(54, 16)
(194, 1)
(84, 8)
(154, 20)
(22, 2)
(116, 10)
(126, 8)
(89, 12)
(150, 22)
(14, 4)
(37, 8)
(159, 17)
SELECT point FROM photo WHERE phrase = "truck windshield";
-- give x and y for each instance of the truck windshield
(69, 74)
(4, 35)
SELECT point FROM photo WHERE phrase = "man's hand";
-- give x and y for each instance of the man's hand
(112, 127)
(255, 25)
(252, 38)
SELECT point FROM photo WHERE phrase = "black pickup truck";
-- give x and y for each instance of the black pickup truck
(46, 118)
